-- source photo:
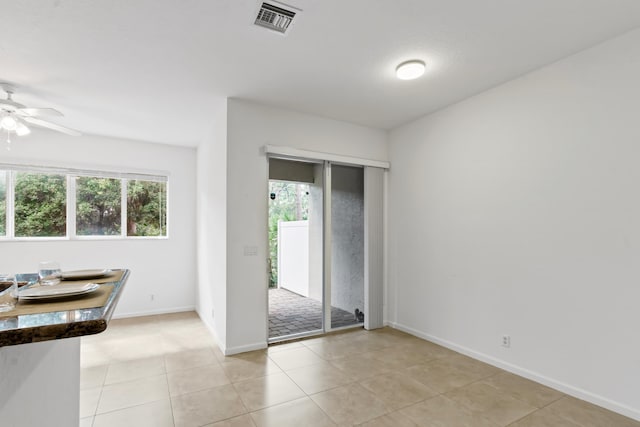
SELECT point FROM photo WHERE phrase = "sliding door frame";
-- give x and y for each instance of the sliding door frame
(326, 244)
(327, 160)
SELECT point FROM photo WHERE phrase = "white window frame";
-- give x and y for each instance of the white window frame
(71, 175)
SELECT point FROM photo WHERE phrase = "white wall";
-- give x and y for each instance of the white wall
(250, 127)
(162, 267)
(212, 219)
(517, 212)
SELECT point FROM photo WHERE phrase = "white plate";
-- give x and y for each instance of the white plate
(85, 274)
(56, 291)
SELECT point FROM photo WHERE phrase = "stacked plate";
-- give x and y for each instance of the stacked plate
(64, 290)
(86, 274)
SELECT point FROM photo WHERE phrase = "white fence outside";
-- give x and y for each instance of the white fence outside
(293, 256)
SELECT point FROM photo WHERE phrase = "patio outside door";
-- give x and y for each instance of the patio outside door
(316, 241)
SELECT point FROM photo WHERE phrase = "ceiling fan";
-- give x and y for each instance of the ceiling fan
(14, 117)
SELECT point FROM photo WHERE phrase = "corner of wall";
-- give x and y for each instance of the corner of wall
(211, 219)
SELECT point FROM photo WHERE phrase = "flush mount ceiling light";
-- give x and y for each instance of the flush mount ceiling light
(410, 70)
(14, 116)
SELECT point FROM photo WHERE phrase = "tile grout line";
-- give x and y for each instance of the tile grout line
(164, 364)
(545, 406)
(308, 396)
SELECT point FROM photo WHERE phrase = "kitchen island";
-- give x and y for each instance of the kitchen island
(40, 356)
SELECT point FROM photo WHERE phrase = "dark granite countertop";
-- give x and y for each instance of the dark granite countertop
(30, 328)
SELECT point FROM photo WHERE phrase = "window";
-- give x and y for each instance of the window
(146, 208)
(3, 203)
(98, 202)
(40, 202)
(40, 205)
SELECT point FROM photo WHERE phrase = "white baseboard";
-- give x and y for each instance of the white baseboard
(223, 349)
(244, 348)
(154, 312)
(212, 331)
(534, 376)
(232, 350)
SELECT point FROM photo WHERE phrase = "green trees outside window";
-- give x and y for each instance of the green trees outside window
(146, 208)
(3, 203)
(38, 202)
(98, 206)
(40, 205)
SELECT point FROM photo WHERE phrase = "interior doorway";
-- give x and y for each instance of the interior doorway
(316, 248)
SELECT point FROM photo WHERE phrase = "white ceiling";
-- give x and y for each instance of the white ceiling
(153, 69)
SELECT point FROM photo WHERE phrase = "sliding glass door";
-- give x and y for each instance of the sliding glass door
(316, 274)
(346, 237)
(295, 263)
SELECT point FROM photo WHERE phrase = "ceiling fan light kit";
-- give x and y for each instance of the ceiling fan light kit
(22, 130)
(8, 123)
(14, 117)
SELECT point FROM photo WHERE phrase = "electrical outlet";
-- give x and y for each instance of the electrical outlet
(212, 314)
(152, 297)
(506, 341)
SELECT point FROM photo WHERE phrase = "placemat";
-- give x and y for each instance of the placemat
(97, 298)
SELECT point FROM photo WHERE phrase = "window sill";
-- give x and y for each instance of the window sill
(81, 238)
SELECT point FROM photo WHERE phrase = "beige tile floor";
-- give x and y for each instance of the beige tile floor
(167, 371)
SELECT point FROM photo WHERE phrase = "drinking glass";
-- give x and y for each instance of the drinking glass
(8, 292)
(49, 273)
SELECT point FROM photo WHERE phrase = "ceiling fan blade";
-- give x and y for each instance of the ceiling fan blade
(35, 112)
(53, 126)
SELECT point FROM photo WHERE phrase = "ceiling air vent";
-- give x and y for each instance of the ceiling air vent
(274, 17)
